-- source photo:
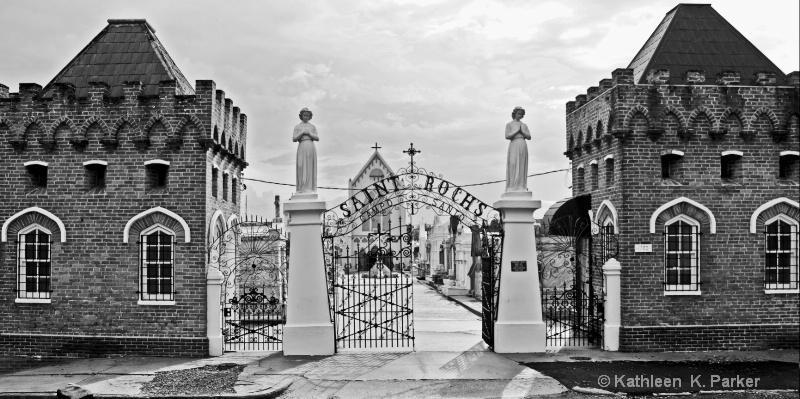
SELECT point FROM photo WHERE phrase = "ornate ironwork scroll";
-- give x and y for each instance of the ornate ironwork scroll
(411, 189)
(252, 255)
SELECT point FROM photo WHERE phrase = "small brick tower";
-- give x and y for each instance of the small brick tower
(114, 177)
(693, 149)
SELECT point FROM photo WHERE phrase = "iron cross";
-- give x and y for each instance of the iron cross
(412, 151)
(376, 147)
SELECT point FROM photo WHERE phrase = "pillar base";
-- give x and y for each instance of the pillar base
(215, 346)
(519, 337)
(308, 340)
(611, 338)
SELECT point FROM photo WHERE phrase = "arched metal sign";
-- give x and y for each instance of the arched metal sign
(412, 189)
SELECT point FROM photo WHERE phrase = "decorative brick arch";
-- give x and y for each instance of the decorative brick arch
(157, 215)
(217, 217)
(598, 129)
(10, 125)
(30, 216)
(579, 141)
(773, 208)
(28, 122)
(91, 121)
(637, 110)
(190, 120)
(773, 119)
(683, 206)
(605, 210)
(787, 119)
(703, 110)
(63, 120)
(156, 119)
(216, 134)
(732, 112)
(610, 121)
(674, 111)
(122, 121)
(589, 133)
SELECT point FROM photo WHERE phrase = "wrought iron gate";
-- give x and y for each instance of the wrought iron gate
(571, 254)
(253, 258)
(491, 261)
(371, 288)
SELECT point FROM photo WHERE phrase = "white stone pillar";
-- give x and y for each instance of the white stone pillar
(519, 327)
(214, 280)
(308, 329)
(613, 305)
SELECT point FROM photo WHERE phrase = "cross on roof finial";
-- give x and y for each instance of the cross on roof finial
(412, 151)
(376, 147)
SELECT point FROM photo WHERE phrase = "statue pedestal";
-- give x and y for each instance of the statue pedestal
(308, 329)
(519, 327)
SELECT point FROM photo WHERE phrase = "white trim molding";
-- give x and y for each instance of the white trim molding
(186, 233)
(789, 153)
(232, 218)
(767, 205)
(33, 300)
(579, 166)
(156, 161)
(40, 163)
(613, 210)
(607, 157)
(732, 152)
(594, 162)
(213, 224)
(672, 152)
(712, 221)
(4, 232)
(96, 162)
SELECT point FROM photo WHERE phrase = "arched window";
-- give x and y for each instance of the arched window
(781, 253)
(607, 239)
(157, 275)
(33, 263)
(682, 256)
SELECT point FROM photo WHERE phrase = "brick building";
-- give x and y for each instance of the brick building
(693, 150)
(114, 177)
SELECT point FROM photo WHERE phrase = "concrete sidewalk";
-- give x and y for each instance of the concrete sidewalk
(467, 374)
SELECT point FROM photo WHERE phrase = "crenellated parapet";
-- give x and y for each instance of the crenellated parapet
(32, 116)
(732, 107)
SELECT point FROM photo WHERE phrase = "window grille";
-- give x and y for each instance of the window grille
(157, 175)
(681, 257)
(214, 182)
(95, 176)
(33, 271)
(156, 272)
(610, 172)
(224, 186)
(235, 191)
(37, 175)
(607, 242)
(781, 256)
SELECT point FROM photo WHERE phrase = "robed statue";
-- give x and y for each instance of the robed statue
(306, 134)
(517, 160)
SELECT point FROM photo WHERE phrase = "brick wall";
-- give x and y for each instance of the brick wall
(642, 121)
(95, 275)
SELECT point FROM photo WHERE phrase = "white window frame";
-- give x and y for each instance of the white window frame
(793, 256)
(678, 289)
(23, 295)
(146, 298)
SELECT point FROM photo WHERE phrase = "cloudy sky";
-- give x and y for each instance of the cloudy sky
(443, 74)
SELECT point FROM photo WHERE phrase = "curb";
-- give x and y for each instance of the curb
(266, 393)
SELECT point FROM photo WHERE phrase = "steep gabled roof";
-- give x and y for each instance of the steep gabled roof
(695, 36)
(363, 169)
(126, 50)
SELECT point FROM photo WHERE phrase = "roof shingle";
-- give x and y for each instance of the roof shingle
(126, 50)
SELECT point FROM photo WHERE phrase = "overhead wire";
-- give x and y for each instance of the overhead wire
(344, 188)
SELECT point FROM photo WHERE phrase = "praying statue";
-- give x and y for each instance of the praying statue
(306, 134)
(517, 161)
